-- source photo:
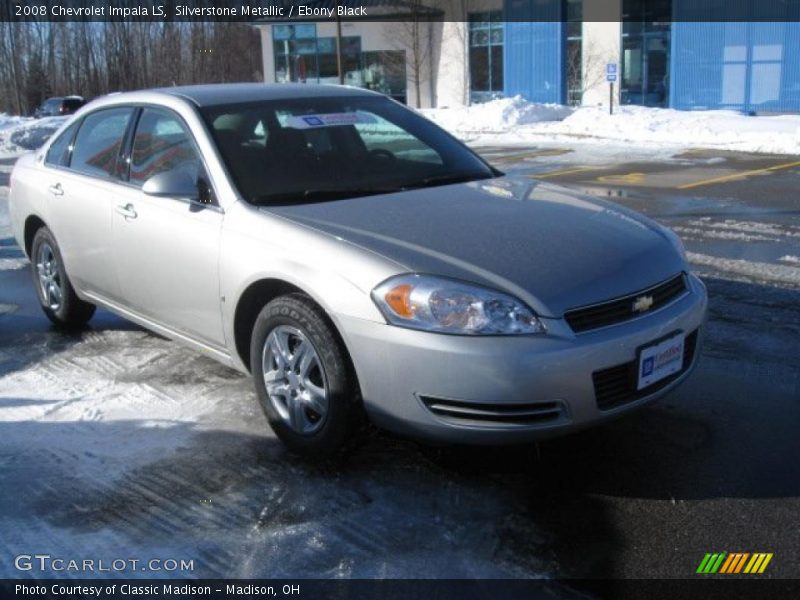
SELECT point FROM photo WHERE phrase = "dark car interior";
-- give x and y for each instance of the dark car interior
(274, 157)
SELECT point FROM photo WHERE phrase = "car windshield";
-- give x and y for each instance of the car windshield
(312, 149)
(72, 103)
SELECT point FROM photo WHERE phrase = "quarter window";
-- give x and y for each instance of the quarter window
(58, 153)
(162, 143)
(98, 142)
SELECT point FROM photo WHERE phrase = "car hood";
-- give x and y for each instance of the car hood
(546, 245)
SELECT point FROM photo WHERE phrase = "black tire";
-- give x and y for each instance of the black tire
(342, 424)
(70, 312)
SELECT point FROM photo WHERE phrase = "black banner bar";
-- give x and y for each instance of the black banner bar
(389, 10)
(707, 588)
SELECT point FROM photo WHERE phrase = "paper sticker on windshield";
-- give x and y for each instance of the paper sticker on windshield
(328, 120)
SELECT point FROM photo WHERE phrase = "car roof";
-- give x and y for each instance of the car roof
(230, 93)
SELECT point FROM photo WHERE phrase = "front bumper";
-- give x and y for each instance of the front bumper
(402, 372)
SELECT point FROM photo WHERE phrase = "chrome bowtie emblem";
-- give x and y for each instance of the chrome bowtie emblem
(642, 304)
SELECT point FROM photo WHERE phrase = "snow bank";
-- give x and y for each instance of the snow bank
(22, 134)
(516, 121)
(7, 121)
(496, 116)
(714, 128)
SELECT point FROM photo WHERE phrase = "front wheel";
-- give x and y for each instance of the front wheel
(53, 288)
(303, 377)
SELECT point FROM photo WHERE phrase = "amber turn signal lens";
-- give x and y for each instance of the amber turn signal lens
(399, 300)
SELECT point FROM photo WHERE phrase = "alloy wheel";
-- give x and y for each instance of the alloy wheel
(49, 277)
(295, 379)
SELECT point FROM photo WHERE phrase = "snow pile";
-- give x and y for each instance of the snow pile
(712, 128)
(517, 121)
(496, 116)
(7, 121)
(20, 134)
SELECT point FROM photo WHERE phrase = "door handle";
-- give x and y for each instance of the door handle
(127, 211)
(56, 189)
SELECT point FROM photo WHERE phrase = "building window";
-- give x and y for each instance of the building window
(646, 30)
(574, 60)
(295, 49)
(302, 56)
(486, 55)
(351, 60)
(385, 72)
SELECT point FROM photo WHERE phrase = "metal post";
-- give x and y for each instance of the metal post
(611, 97)
(339, 49)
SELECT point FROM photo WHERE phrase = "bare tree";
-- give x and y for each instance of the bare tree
(585, 67)
(414, 36)
(39, 59)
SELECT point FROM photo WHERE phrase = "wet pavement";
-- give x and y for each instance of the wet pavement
(118, 442)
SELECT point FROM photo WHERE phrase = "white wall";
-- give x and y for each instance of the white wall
(267, 54)
(601, 45)
(452, 65)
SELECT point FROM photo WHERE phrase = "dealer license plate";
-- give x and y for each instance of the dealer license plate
(660, 360)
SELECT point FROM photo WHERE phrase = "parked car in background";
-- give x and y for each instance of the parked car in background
(59, 106)
(357, 260)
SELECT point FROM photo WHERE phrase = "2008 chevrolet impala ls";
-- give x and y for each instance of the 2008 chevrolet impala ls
(357, 260)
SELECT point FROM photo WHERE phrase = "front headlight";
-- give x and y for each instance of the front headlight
(676, 241)
(444, 305)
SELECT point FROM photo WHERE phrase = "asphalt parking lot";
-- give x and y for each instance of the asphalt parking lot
(118, 439)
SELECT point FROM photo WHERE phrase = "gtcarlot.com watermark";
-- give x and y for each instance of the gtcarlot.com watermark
(46, 563)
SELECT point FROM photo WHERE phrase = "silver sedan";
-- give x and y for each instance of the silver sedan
(359, 261)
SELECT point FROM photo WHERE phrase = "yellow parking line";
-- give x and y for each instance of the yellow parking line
(531, 154)
(564, 172)
(738, 175)
(629, 178)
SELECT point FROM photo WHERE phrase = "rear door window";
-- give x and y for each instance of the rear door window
(99, 139)
(72, 104)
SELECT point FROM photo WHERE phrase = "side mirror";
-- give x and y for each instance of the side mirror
(175, 184)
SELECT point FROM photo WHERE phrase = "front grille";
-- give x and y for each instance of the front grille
(493, 414)
(616, 386)
(621, 309)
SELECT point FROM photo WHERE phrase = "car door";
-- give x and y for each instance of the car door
(166, 249)
(81, 181)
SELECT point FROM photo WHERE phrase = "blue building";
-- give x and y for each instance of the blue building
(670, 53)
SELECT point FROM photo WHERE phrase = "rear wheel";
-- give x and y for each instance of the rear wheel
(55, 292)
(303, 377)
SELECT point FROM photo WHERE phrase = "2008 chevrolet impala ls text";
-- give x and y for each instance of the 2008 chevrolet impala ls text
(358, 261)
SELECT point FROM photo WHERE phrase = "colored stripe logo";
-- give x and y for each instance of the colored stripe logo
(734, 563)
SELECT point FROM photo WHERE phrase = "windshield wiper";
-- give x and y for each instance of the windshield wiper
(322, 194)
(447, 178)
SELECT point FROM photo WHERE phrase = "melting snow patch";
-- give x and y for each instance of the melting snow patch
(795, 260)
(711, 233)
(12, 264)
(757, 271)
